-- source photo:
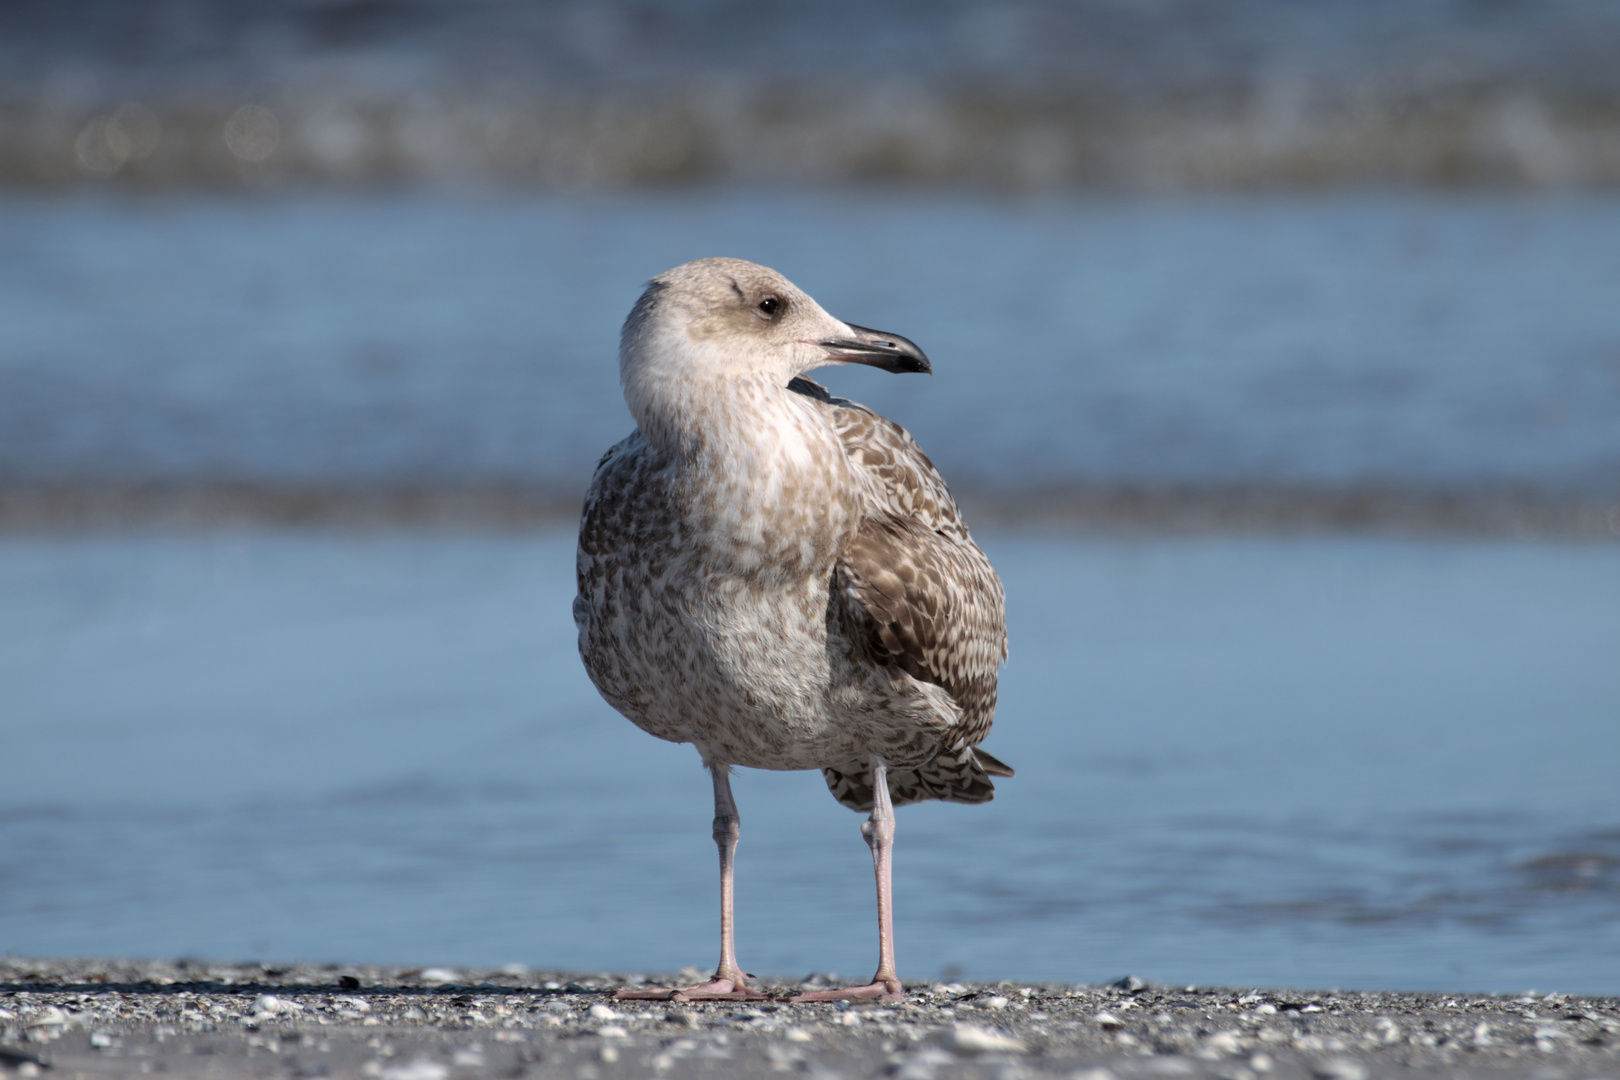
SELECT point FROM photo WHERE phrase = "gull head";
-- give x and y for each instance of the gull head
(720, 319)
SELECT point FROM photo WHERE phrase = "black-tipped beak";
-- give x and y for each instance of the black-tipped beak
(891, 352)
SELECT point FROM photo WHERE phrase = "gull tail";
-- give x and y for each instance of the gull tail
(994, 766)
(961, 776)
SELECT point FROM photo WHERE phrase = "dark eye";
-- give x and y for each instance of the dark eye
(769, 305)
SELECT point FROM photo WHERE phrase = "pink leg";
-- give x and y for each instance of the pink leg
(728, 983)
(879, 832)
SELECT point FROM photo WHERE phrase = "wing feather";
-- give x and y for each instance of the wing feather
(918, 595)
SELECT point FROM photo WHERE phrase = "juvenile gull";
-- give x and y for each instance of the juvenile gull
(781, 578)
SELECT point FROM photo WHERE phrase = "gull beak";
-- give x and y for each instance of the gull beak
(878, 349)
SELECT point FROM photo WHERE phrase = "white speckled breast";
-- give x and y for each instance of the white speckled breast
(706, 607)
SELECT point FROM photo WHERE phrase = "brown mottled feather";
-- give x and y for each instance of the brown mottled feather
(918, 595)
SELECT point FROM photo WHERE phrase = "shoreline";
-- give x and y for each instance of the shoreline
(194, 1019)
(1078, 509)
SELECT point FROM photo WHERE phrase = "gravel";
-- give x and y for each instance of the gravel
(188, 1018)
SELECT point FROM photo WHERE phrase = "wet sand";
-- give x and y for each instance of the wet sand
(185, 1019)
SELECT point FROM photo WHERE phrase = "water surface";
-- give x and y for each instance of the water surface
(1344, 341)
(1356, 763)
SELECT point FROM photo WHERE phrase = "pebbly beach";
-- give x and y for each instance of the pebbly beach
(89, 1018)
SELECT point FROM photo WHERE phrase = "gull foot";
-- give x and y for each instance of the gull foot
(887, 991)
(715, 990)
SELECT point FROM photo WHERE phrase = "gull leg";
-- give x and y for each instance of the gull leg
(729, 981)
(727, 828)
(879, 832)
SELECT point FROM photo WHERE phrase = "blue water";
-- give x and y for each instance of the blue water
(1315, 762)
(1242, 761)
(1348, 340)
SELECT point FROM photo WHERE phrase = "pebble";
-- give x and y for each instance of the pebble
(1339, 1069)
(922, 1064)
(1169, 1066)
(50, 1017)
(420, 1069)
(438, 976)
(972, 1039)
(270, 1005)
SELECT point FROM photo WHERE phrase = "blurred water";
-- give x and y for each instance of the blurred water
(1241, 761)
(997, 94)
(1372, 340)
(433, 48)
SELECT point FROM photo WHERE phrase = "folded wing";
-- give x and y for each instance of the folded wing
(920, 596)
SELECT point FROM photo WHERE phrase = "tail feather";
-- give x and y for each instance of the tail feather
(992, 765)
(961, 776)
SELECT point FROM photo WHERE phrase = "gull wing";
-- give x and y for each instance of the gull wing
(919, 595)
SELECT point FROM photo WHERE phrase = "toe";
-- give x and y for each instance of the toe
(888, 992)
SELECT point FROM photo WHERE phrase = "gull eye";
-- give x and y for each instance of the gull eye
(770, 305)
